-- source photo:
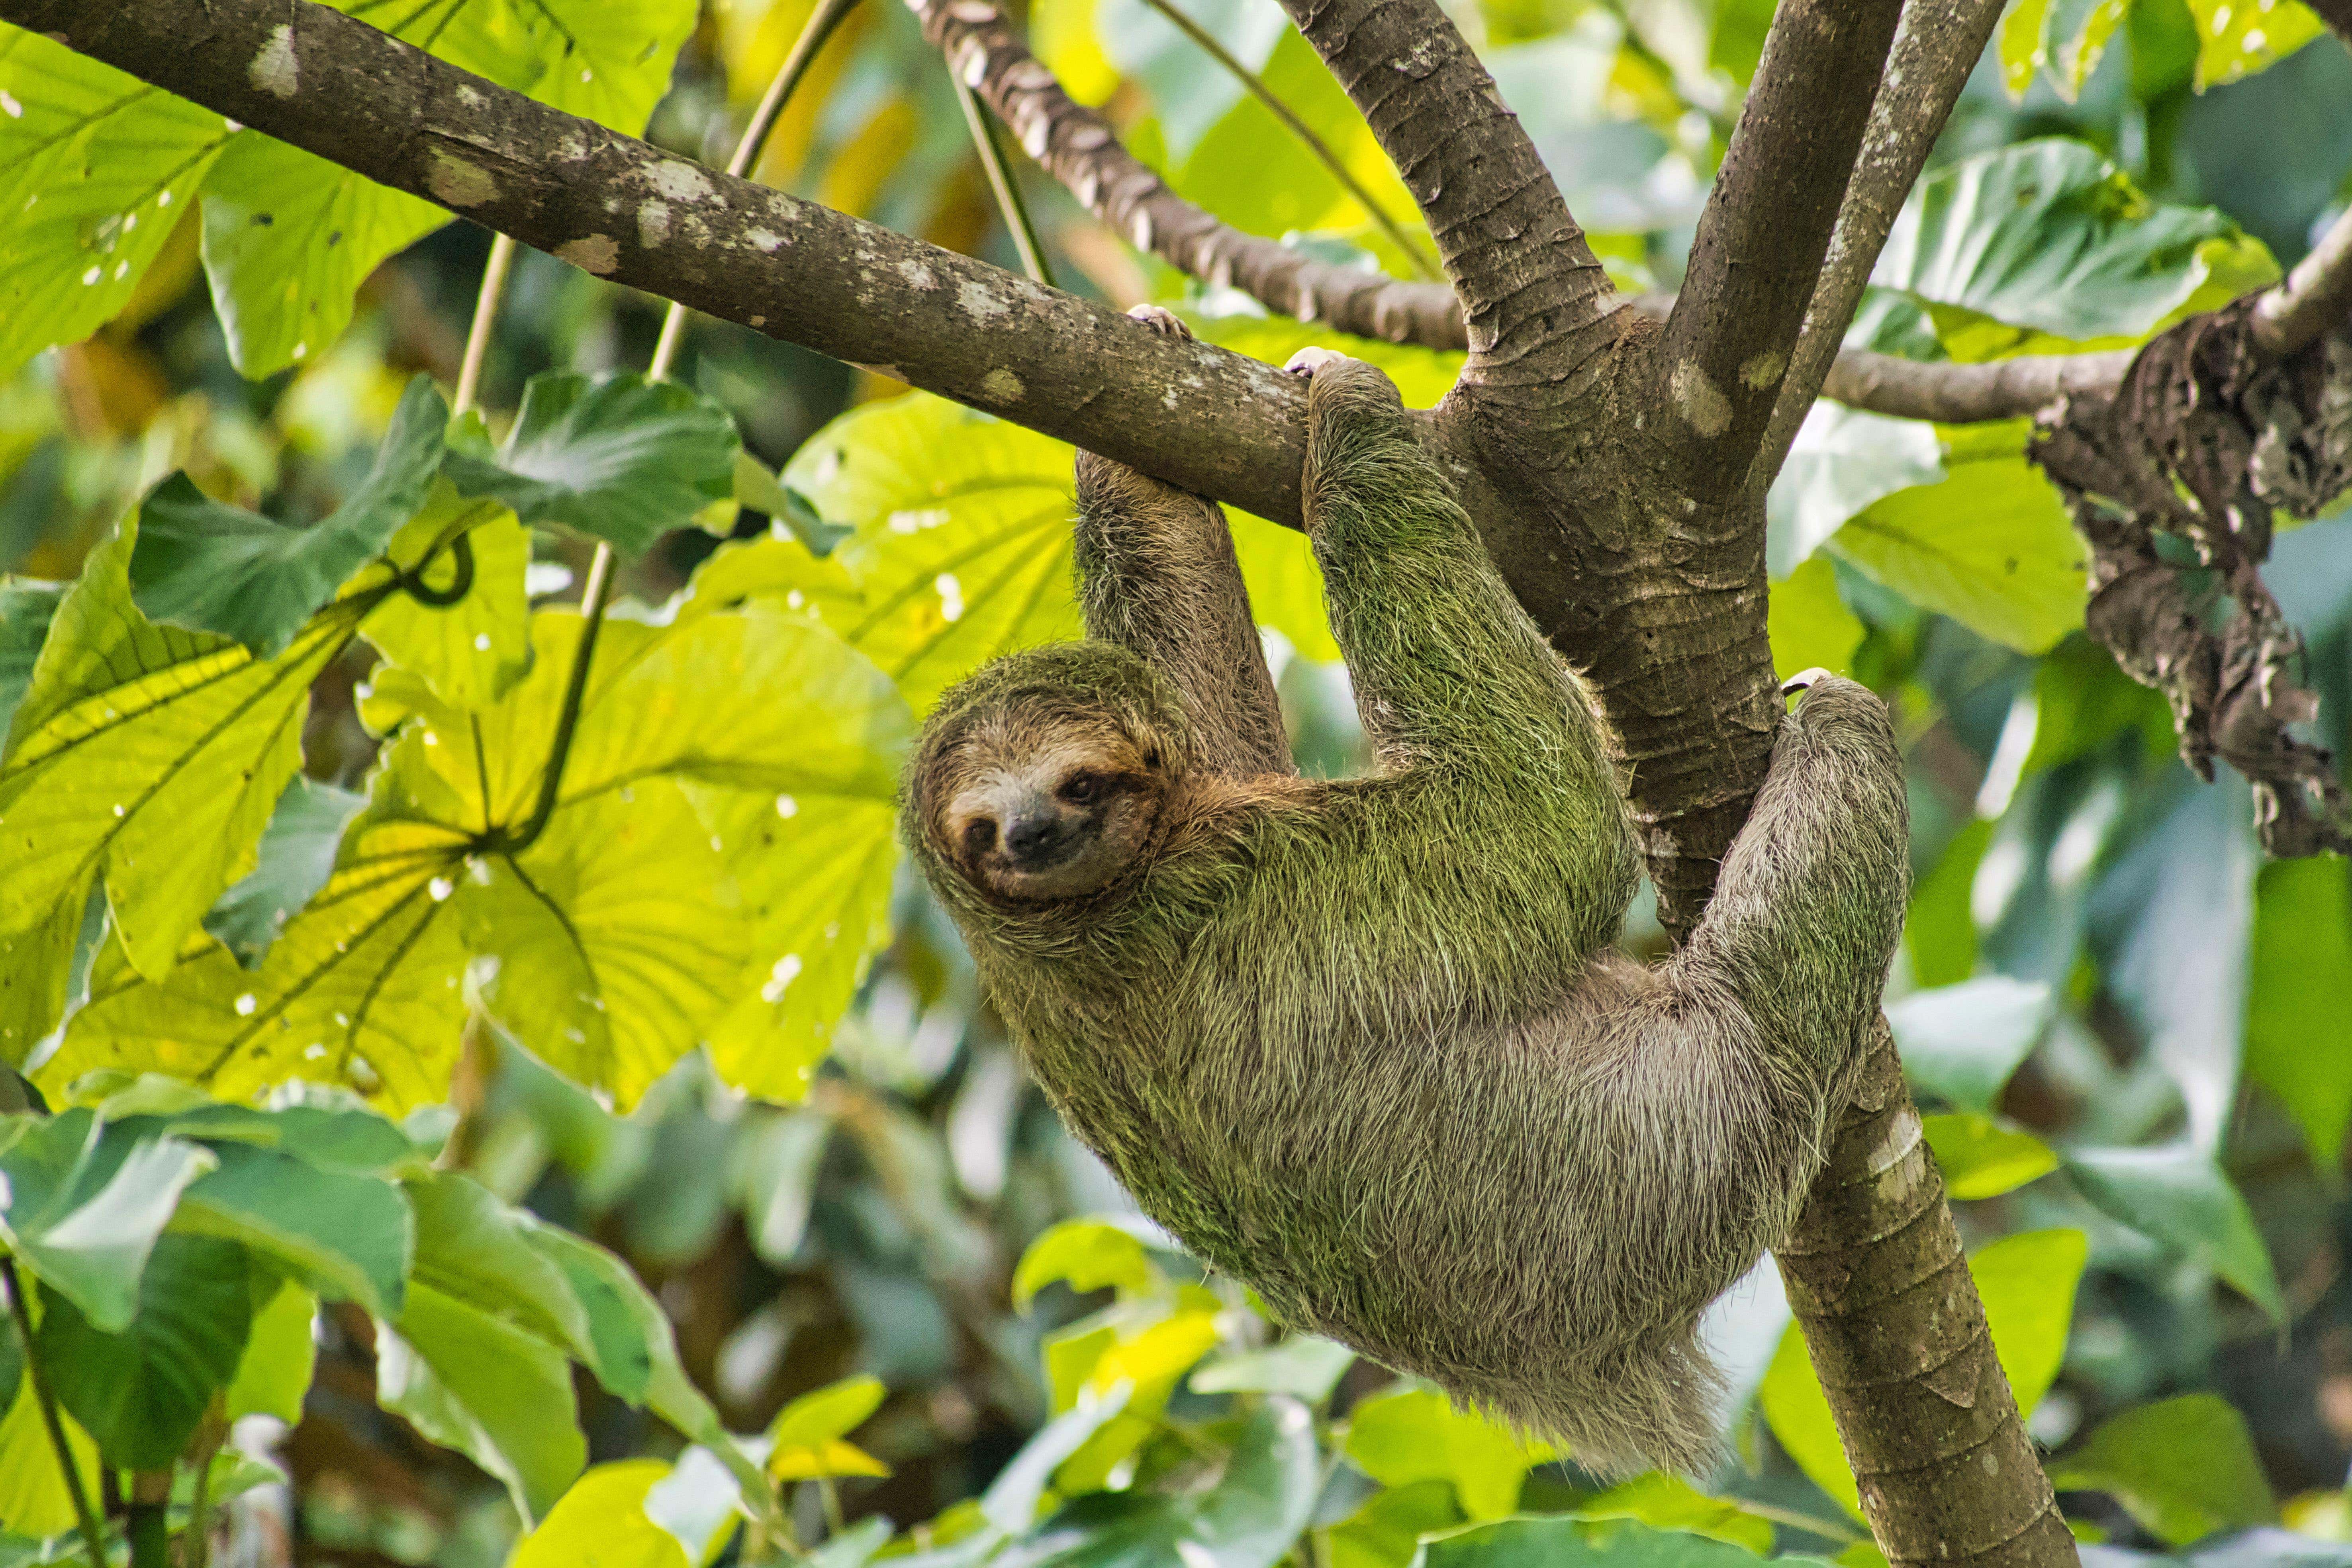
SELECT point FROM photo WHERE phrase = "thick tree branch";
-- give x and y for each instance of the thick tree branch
(1966, 394)
(1767, 228)
(1075, 144)
(1935, 49)
(1534, 295)
(2313, 298)
(1194, 415)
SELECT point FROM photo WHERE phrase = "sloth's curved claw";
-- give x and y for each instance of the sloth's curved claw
(1307, 361)
(1804, 680)
(1163, 320)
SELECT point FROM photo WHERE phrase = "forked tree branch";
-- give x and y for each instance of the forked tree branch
(1766, 228)
(1533, 294)
(1075, 144)
(1194, 415)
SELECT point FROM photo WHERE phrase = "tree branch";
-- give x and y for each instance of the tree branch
(1534, 295)
(1766, 229)
(1935, 49)
(1195, 415)
(2313, 297)
(1075, 144)
(1966, 394)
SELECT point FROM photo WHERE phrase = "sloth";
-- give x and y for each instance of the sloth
(1368, 1043)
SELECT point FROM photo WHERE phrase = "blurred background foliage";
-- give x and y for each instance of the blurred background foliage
(2133, 1038)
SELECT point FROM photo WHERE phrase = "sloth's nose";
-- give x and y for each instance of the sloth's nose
(1031, 836)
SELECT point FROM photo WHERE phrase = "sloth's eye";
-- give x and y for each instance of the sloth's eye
(1080, 788)
(979, 835)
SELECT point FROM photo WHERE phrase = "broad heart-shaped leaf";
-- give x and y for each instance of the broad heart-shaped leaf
(1416, 1435)
(2184, 1468)
(95, 169)
(1980, 1158)
(1962, 1043)
(2027, 1283)
(470, 652)
(154, 754)
(602, 1520)
(1250, 1519)
(2299, 1044)
(1810, 624)
(1842, 459)
(624, 459)
(1557, 1541)
(473, 1249)
(2177, 1195)
(82, 1203)
(210, 567)
(1669, 1502)
(962, 547)
(1305, 1366)
(2050, 236)
(1386, 1531)
(1989, 545)
(2238, 40)
(288, 238)
(141, 1391)
(294, 859)
(347, 1236)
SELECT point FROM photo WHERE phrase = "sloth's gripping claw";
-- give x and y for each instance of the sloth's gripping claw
(1307, 361)
(1804, 680)
(1163, 320)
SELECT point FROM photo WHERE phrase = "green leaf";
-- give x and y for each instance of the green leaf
(1249, 1520)
(2179, 1197)
(1810, 626)
(95, 168)
(601, 1521)
(274, 1374)
(807, 1434)
(1305, 1366)
(607, 60)
(1011, 1502)
(294, 858)
(1416, 1435)
(496, 1392)
(472, 652)
(624, 459)
(1983, 1159)
(1962, 1043)
(474, 1251)
(140, 1392)
(209, 567)
(628, 1333)
(1387, 1532)
(2184, 1468)
(153, 752)
(351, 1238)
(1990, 546)
(2298, 1036)
(289, 240)
(1088, 1254)
(1669, 1502)
(1843, 460)
(83, 1204)
(2049, 235)
(25, 611)
(2027, 1283)
(1285, 584)
(33, 1501)
(1554, 1542)
(2235, 41)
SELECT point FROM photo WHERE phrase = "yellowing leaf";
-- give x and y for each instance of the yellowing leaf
(473, 651)
(601, 1521)
(2237, 38)
(808, 1432)
(1086, 1255)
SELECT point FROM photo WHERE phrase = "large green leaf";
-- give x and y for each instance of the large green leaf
(289, 240)
(294, 858)
(347, 1236)
(280, 1353)
(142, 1390)
(154, 754)
(2184, 1468)
(1550, 1542)
(623, 459)
(210, 567)
(83, 1202)
(2049, 235)
(1981, 1158)
(1809, 622)
(1417, 1435)
(475, 1250)
(2177, 1195)
(95, 168)
(494, 1392)
(1843, 460)
(1989, 545)
(1387, 1532)
(607, 60)
(2298, 1033)
(33, 1501)
(471, 651)
(1962, 1043)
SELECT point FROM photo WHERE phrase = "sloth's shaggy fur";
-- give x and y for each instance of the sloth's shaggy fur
(1367, 1044)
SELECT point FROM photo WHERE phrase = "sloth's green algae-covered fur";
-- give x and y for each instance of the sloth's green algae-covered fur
(1367, 1044)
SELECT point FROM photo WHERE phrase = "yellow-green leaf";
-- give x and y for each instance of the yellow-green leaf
(1086, 1255)
(1810, 626)
(601, 1521)
(1417, 1435)
(1983, 1159)
(2237, 38)
(471, 652)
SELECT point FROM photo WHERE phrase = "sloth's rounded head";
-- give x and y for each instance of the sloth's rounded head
(1044, 778)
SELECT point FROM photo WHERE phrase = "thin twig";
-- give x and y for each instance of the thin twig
(485, 312)
(1250, 80)
(1000, 181)
(20, 1308)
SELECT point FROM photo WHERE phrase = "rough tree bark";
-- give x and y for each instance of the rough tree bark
(1617, 466)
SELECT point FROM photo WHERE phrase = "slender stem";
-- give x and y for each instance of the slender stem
(593, 600)
(20, 1308)
(148, 1521)
(828, 1491)
(822, 21)
(1249, 78)
(1000, 180)
(485, 312)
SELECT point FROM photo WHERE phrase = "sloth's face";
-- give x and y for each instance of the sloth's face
(1044, 812)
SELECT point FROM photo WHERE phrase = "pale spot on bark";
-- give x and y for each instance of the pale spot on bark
(1763, 371)
(595, 254)
(1697, 401)
(1903, 1135)
(680, 181)
(455, 183)
(653, 224)
(758, 321)
(765, 239)
(1001, 385)
(470, 98)
(918, 275)
(274, 71)
(980, 301)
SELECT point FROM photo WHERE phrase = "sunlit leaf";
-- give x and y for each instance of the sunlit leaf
(1417, 1435)
(1842, 459)
(496, 1392)
(1980, 1158)
(808, 1432)
(607, 60)
(1669, 1502)
(473, 651)
(1250, 1519)
(1189, 91)
(25, 611)
(33, 1501)
(294, 858)
(1305, 1366)
(602, 1520)
(95, 168)
(2184, 1468)
(2236, 40)
(274, 1374)
(1387, 1531)
(1086, 1255)
(1810, 626)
